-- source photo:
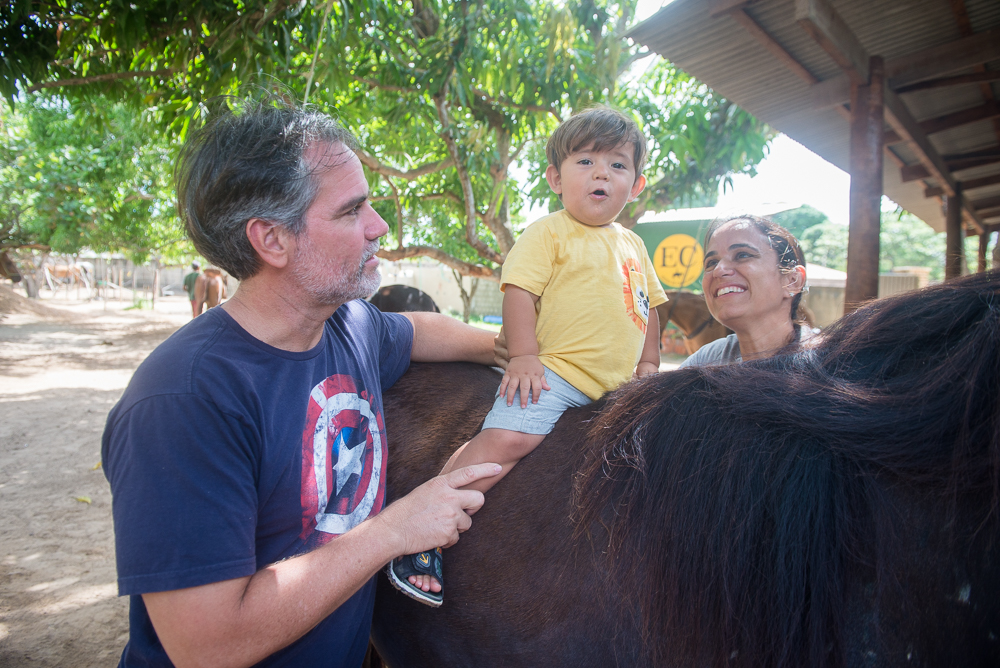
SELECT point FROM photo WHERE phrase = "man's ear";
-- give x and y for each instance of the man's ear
(555, 181)
(273, 243)
(637, 188)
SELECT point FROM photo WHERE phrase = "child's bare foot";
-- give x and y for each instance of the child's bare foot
(425, 583)
(419, 576)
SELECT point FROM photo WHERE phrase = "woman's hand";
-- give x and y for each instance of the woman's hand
(524, 372)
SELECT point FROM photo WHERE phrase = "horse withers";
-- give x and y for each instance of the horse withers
(830, 506)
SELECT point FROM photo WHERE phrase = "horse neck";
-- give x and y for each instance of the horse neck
(688, 311)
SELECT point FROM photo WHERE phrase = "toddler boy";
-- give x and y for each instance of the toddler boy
(578, 308)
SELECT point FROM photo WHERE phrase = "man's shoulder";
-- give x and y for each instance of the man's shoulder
(170, 367)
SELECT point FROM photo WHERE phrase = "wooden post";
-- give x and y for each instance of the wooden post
(984, 240)
(866, 188)
(954, 256)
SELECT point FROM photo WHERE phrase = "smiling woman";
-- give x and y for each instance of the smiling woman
(753, 282)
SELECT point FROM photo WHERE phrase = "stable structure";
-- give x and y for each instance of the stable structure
(901, 94)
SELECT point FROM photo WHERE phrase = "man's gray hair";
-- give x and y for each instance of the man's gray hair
(250, 163)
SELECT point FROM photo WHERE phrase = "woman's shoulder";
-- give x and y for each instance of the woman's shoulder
(720, 351)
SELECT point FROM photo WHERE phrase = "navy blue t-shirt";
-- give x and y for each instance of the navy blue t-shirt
(226, 455)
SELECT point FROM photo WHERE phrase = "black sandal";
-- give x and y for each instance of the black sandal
(422, 563)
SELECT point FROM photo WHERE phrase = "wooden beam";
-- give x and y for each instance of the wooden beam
(944, 59)
(918, 66)
(772, 45)
(907, 128)
(954, 164)
(930, 126)
(968, 185)
(717, 8)
(987, 203)
(961, 13)
(954, 256)
(944, 82)
(821, 21)
(990, 213)
(866, 155)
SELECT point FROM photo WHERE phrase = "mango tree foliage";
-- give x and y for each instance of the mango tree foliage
(169, 56)
(445, 97)
(85, 174)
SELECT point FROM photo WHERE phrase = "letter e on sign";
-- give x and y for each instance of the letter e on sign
(679, 260)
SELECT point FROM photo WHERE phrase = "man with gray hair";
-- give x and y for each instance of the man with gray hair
(247, 457)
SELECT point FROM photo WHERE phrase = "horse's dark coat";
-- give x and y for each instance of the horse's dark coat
(825, 508)
(402, 298)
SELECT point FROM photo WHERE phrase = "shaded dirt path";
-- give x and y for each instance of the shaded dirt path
(60, 372)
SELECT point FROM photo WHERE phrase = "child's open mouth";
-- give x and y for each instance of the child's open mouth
(599, 193)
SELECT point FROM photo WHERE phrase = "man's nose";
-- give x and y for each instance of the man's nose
(376, 227)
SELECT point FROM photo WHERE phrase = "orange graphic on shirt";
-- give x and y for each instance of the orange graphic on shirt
(628, 266)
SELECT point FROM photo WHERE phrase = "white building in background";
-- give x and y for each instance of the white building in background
(438, 281)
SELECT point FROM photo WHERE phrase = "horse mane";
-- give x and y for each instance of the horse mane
(740, 499)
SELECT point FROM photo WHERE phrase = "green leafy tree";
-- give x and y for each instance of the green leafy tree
(445, 97)
(797, 221)
(89, 174)
(825, 244)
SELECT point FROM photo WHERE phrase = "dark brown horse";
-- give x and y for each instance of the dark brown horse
(826, 507)
(690, 313)
(402, 298)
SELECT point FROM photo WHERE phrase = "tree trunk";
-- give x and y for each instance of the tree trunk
(31, 286)
(466, 295)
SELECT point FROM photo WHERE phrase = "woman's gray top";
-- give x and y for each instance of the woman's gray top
(720, 351)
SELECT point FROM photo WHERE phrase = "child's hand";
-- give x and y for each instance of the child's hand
(646, 369)
(524, 372)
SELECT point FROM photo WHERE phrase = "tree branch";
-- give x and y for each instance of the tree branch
(83, 81)
(471, 214)
(399, 211)
(372, 163)
(486, 97)
(464, 268)
(381, 86)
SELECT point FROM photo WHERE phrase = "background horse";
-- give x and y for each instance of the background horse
(400, 298)
(690, 313)
(8, 269)
(831, 506)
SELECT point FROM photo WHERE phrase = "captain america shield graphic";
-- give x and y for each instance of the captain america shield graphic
(343, 460)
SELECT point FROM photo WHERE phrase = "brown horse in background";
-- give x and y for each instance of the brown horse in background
(831, 506)
(690, 313)
(8, 269)
(209, 290)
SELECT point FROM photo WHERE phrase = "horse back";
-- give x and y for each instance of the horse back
(520, 566)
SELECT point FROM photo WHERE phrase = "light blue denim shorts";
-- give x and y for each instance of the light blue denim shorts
(537, 418)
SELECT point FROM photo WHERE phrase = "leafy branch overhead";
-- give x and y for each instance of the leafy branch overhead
(447, 98)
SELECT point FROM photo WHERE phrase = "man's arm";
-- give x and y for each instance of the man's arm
(440, 338)
(239, 622)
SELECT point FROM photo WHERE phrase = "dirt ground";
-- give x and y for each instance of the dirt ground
(63, 365)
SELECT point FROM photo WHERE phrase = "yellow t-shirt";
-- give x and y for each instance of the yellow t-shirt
(595, 287)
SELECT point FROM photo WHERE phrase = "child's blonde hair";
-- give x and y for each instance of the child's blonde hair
(599, 128)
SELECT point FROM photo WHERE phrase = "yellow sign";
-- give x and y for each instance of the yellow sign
(679, 260)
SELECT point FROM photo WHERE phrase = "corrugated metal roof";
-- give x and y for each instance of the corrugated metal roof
(722, 54)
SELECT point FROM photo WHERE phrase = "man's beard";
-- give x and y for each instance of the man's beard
(319, 278)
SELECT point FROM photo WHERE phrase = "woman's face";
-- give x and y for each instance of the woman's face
(742, 282)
